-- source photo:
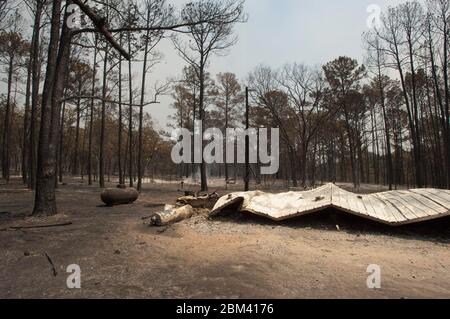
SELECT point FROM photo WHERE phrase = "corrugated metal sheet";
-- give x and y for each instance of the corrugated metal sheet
(392, 208)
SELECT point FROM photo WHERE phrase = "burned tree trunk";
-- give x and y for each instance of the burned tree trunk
(75, 167)
(91, 116)
(130, 118)
(61, 143)
(34, 94)
(7, 123)
(141, 108)
(103, 123)
(26, 124)
(57, 68)
(119, 146)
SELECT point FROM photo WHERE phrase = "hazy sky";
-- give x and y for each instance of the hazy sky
(281, 31)
(277, 32)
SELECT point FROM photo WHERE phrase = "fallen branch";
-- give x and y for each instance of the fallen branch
(52, 264)
(100, 24)
(107, 100)
(41, 226)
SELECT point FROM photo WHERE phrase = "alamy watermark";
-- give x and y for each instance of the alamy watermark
(213, 146)
(74, 279)
(374, 279)
(75, 19)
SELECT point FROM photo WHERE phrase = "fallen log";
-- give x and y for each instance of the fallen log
(118, 196)
(172, 215)
(41, 226)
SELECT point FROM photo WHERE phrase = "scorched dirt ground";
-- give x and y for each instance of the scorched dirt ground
(230, 257)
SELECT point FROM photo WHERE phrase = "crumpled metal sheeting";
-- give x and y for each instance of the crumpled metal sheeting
(393, 208)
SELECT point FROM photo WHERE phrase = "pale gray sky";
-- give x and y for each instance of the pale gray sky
(277, 32)
(281, 31)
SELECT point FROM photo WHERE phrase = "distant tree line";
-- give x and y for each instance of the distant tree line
(74, 104)
(383, 121)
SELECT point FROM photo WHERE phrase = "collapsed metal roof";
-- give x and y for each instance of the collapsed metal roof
(393, 208)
